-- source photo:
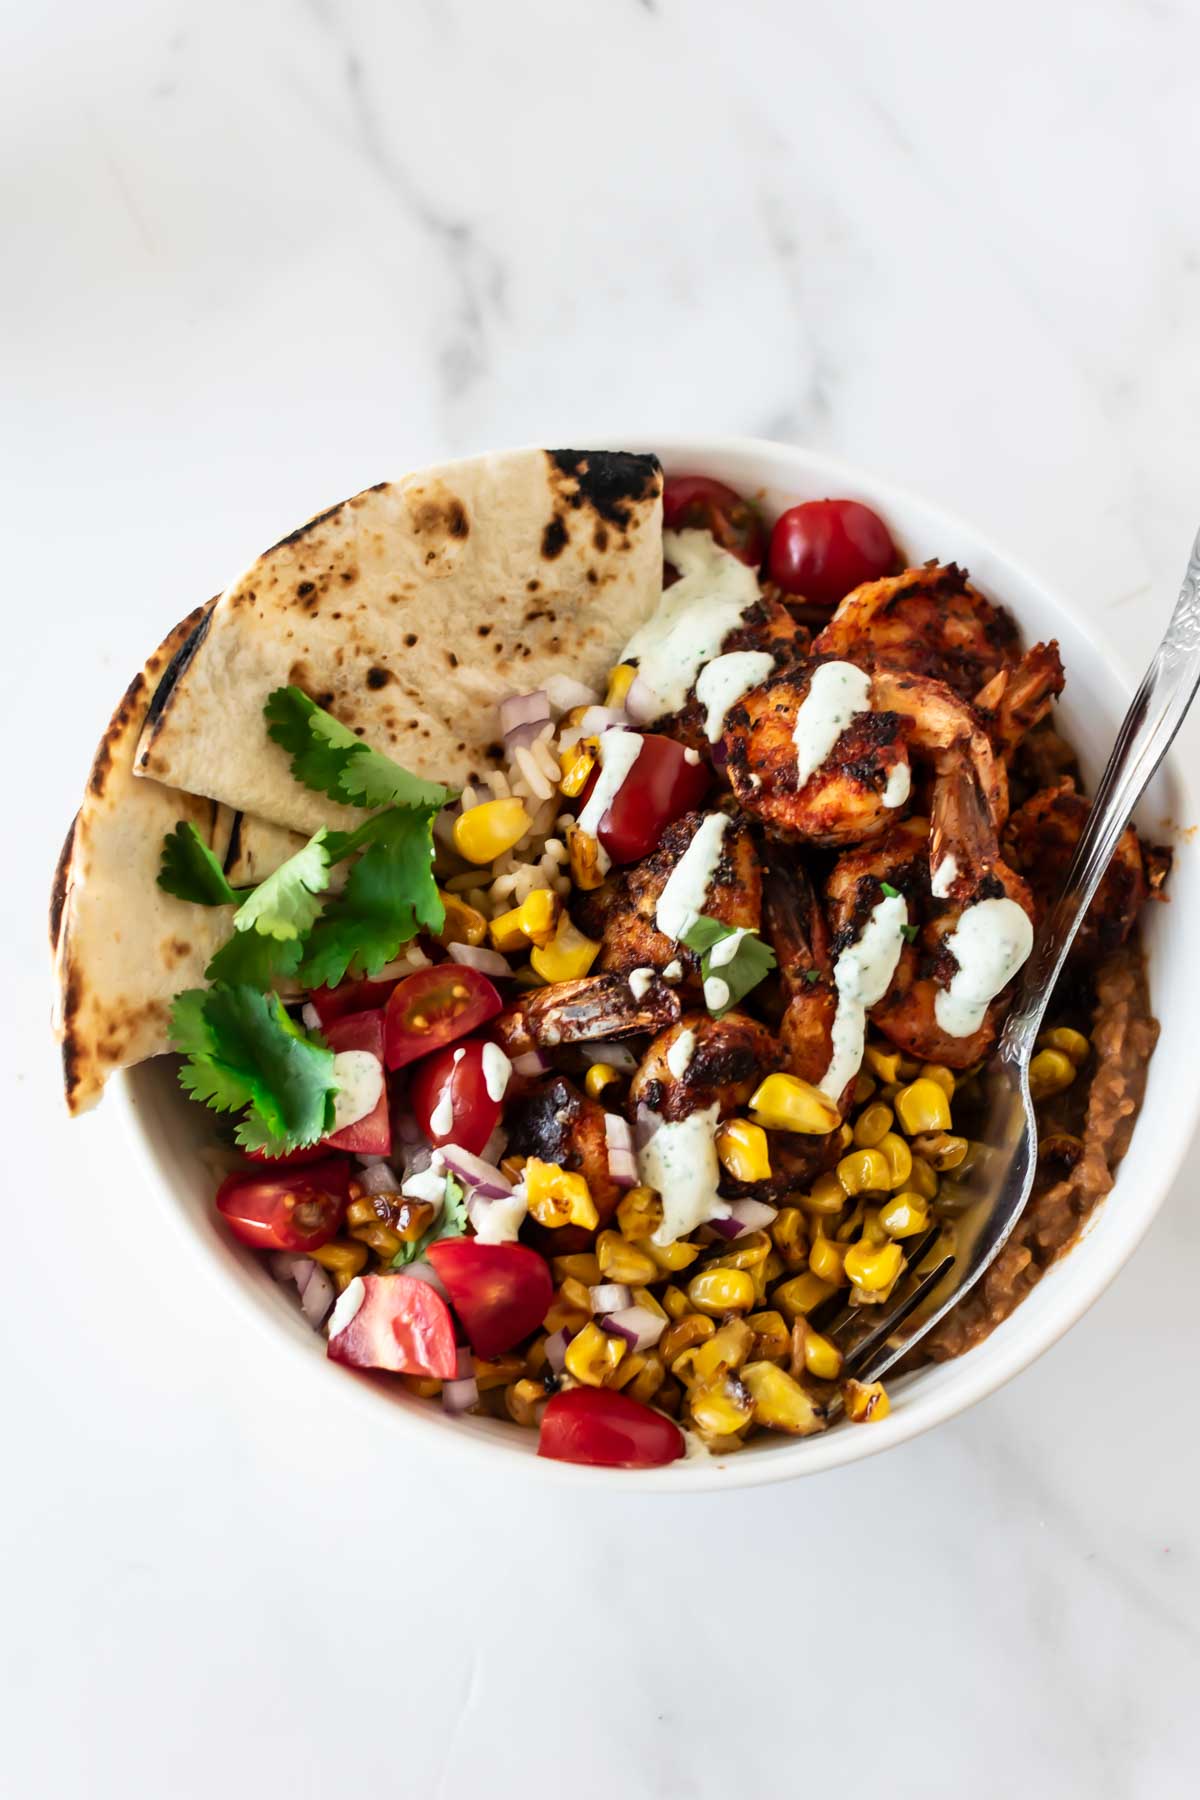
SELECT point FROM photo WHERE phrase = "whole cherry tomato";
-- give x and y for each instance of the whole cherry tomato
(434, 1007)
(608, 1429)
(824, 548)
(661, 786)
(695, 502)
(501, 1292)
(299, 1210)
(472, 1114)
(398, 1323)
(372, 1134)
(349, 997)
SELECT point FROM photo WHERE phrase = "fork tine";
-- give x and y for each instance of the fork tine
(859, 1358)
(848, 1314)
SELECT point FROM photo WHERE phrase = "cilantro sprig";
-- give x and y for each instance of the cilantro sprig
(327, 756)
(451, 1222)
(750, 962)
(245, 1054)
(390, 895)
(190, 871)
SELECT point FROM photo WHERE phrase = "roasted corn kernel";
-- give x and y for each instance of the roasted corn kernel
(533, 922)
(873, 1123)
(802, 1294)
(1050, 1072)
(864, 1087)
(630, 1365)
(344, 1261)
(899, 1158)
(827, 1260)
(718, 1291)
(600, 1075)
(524, 1401)
(568, 956)
(1071, 1043)
(941, 1150)
(592, 1354)
(620, 680)
(671, 1258)
(571, 1307)
(826, 1196)
(821, 1357)
(865, 1172)
(639, 1213)
(742, 1149)
(922, 1179)
(682, 1336)
(771, 1335)
(558, 1196)
(583, 1266)
(865, 1401)
(923, 1106)
(785, 1103)
(385, 1242)
(622, 1261)
(743, 1253)
(643, 1297)
(583, 851)
(873, 1268)
(728, 1348)
(426, 1387)
(790, 1237)
(649, 1378)
(499, 1372)
(577, 765)
(845, 1136)
(883, 1064)
(462, 924)
(720, 1407)
(485, 832)
(779, 1401)
(944, 1077)
(904, 1215)
(675, 1302)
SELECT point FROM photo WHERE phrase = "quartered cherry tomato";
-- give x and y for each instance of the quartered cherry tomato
(660, 787)
(299, 1210)
(434, 1007)
(697, 502)
(349, 997)
(501, 1292)
(372, 1134)
(824, 548)
(399, 1324)
(473, 1114)
(608, 1429)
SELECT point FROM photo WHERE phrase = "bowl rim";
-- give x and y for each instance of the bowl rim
(970, 1382)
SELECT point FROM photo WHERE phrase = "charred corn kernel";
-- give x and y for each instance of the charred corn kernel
(785, 1103)
(822, 1358)
(485, 832)
(639, 1213)
(742, 1149)
(883, 1064)
(827, 1259)
(1071, 1043)
(535, 1356)
(539, 914)
(583, 1267)
(568, 956)
(865, 1401)
(872, 1231)
(773, 1268)
(904, 1215)
(944, 1077)
(873, 1123)
(427, 1387)
(592, 1355)
(620, 680)
(873, 1267)
(670, 1258)
(622, 1261)
(922, 1106)
(344, 1261)
(802, 1294)
(675, 1302)
(771, 1336)
(1050, 1072)
(899, 1158)
(558, 1196)
(849, 1227)
(513, 1167)
(727, 1348)
(385, 1242)
(583, 852)
(826, 1196)
(523, 1401)
(845, 1137)
(718, 1291)
(648, 1379)
(669, 1398)
(577, 765)
(789, 1235)
(498, 1373)
(629, 1366)
(941, 1150)
(746, 1253)
(923, 1179)
(570, 1307)
(721, 1407)
(864, 1087)
(600, 1076)
(865, 1172)
(462, 924)
(643, 1297)
(779, 1401)
(682, 1336)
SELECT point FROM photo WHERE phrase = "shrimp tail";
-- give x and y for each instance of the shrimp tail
(1019, 698)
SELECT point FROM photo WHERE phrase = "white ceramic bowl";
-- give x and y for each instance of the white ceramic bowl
(169, 1131)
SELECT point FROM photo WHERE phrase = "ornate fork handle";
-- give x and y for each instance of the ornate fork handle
(1154, 717)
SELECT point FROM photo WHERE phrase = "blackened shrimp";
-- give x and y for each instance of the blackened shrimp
(560, 1125)
(1039, 842)
(584, 1011)
(927, 621)
(1019, 697)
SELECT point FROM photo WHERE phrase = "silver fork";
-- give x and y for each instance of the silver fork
(987, 1202)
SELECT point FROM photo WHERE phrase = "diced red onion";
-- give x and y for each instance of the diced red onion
(522, 736)
(484, 1177)
(318, 1296)
(564, 692)
(530, 1062)
(464, 1363)
(618, 1056)
(718, 755)
(648, 1123)
(477, 956)
(406, 1128)
(414, 1160)
(423, 1271)
(622, 1161)
(640, 702)
(459, 1396)
(284, 1263)
(726, 1227)
(524, 709)
(600, 718)
(556, 1349)
(305, 1269)
(610, 1297)
(749, 1215)
(380, 1178)
(639, 1327)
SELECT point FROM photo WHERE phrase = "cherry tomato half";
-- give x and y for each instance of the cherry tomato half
(824, 548)
(300, 1210)
(399, 1324)
(695, 502)
(349, 997)
(501, 1292)
(372, 1134)
(473, 1114)
(434, 1007)
(660, 787)
(608, 1429)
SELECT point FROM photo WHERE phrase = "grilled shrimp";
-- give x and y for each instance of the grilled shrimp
(576, 1012)
(1039, 842)
(631, 938)
(1020, 696)
(721, 1063)
(768, 626)
(928, 621)
(796, 929)
(560, 1125)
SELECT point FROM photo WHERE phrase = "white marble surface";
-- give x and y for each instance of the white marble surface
(259, 254)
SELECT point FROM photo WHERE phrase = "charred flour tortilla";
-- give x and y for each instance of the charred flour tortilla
(124, 948)
(408, 612)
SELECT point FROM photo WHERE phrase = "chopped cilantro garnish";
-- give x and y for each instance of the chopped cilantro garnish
(891, 892)
(190, 871)
(451, 1222)
(390, 895)
(248, 960)
(286, 904)
(244, 1054)
(909, 933)
(812, 975)
(750, 962)
(327, 756)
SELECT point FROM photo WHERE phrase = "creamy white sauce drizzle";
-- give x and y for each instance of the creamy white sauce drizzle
(837, 693)
(716, 993)
(990, 942)
(680, 1054)
(619, 750)
(498, 1221)
(673, 970)
(944, 877)
(441, 1119)
(680, 1161)
(639, 981)
(899, 785)
(359, 1076)
(725, 951)
(682, 900)
(347, 1304)
(496, 1070)
(862, 975)
(426, 1184)
(692, 620)
(722, 682)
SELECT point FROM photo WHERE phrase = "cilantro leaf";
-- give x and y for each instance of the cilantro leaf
(249, 960)
(909, 933)
(749, 963)
(892, 893)
(812, 975)
(390, 895)
(327, 756)
(286, 904)
(451, 1222)
(244, 1052)
(190, 871)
